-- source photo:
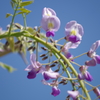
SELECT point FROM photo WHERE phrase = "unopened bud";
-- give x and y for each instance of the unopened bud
(30, 48)
(17, 42)
(52, 65)
(38, 35)
(45, 58)
(56, 70)
(44, 48)
(20, 47)
(33, 48)
(30, 41)
(51, 40)
(42, 55)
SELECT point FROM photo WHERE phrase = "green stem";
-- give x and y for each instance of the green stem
(37, 51)
(64, 67)
(80, 55)
(24, 17)
(57, 53)
(13, 19)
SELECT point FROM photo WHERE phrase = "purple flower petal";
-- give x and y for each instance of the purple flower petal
(80, 29)
(92, 62)
(96, 91)
(70, 45)
(46, 77)
(29, 68)
(94, 47)
(97, 57)
(53, 75)
(73, 38)
(81, 76)
(31, 74)
(70, 24)
(68, 55)
(88, 77)
(50, 33)
(73, 94)
(55, 91)
(48, 12)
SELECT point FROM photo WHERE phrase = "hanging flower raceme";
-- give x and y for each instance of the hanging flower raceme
(92, 54)
(69, 45)
(84, 74)
(73, 94)
(50, 22)
(34, 68)
(74, 31)
(54, 84)
(49, 74)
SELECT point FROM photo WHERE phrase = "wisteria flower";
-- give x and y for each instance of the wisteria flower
(49, 74)
(50, 22)
(69, 45)
(34, 68)
(74, 31)
(54, 84)
(84, 74)
(73, 94)
(96, 91)
(48, 12)
(92, 54)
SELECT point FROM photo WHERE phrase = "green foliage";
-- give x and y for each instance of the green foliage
(23, 10)
(7, 67)
(25, 3)
(8, 14)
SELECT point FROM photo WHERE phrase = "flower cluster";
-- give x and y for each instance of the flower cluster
(18, 38)
(74, 32)
(36, 68)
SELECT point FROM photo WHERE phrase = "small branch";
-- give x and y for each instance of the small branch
(13, 19)
(79, 55)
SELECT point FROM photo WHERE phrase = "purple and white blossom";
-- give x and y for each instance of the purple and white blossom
(50, 22)
(54, 84)
(73, 94)
(96, 91)
(84, 74)
(69, 45)
(49, 74)
(92, 54)
(74, 31)
(33, 68)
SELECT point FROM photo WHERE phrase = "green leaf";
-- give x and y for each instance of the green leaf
(14, 1)
(7, 67)
(12, 4)
(25, 3)
(23, 10)
(8, 14)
